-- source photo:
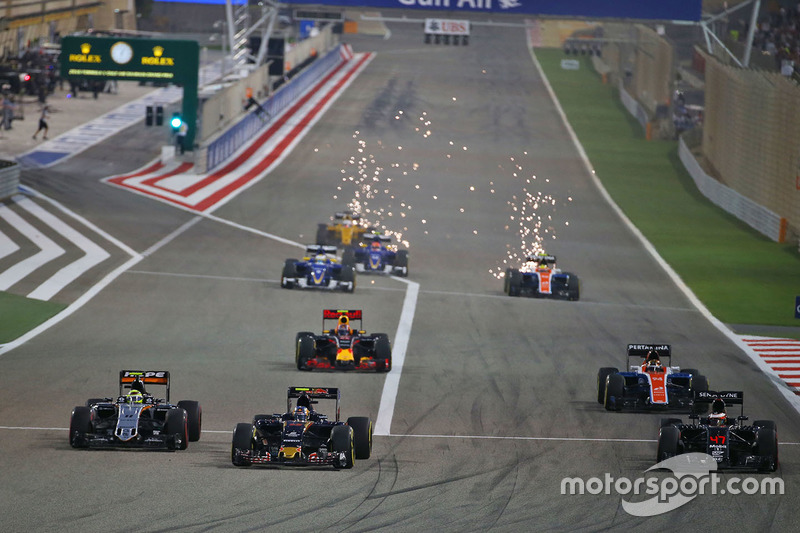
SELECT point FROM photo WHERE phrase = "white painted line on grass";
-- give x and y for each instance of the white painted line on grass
(383, 424)
(48, 250)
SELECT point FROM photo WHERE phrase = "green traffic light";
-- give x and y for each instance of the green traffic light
(176, 121)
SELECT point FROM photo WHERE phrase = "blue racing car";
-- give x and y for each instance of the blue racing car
(540, 278)
(319, 268)
(375, 254)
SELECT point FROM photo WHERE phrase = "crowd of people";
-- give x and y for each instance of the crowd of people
(778, 35)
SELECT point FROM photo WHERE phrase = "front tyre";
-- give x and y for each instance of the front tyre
(602, 374)
(80, 426)
(342, 443)
(362, 436)
(668, 443)
(177, 426)
(194, 416)
(242, 445)
(304, 350)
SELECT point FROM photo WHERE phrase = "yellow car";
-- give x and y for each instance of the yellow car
(344, 231)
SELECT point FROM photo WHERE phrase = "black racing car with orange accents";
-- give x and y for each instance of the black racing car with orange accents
(136, 418)
(343, 345)
(302, 436)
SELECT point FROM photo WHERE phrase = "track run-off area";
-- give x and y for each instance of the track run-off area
(491, 401)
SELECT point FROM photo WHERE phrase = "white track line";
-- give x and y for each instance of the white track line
(48, 250)
(7, 246)
(94, 254)
(793, 399)
(383, 424)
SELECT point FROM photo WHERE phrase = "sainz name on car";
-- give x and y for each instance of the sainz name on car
(650, 381)
(136, 418)
(343, 345)
(303, 436)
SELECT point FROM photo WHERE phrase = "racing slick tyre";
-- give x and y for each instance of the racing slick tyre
(304, 350)
(700, 383)
(515, 283)
(668, 443)
(401, 263)
(80, 425)
(383, 352)
(765, 424)
(506, 281)
(94, 401)
(615, 388)
(767, 446)
(349, 257)
(322, 234)
(692, 371)
(290, 272)
(342, 442)
(362, 436)
(602, 374)
(666, 422)
(194, 417)
(349, 276)
(573, 288)
(242, 442)
(177, 424)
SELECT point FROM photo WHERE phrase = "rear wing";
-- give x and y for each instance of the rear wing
(341, 215)
(368, 237)
(641, 350)
(334, 314)
(729, 397)
(320, 249)
(147, 377)
(313, 393)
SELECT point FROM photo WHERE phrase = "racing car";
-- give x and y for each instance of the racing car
(649, 384)
(319, 268)
(540, 278)
(136, 418)
(375, 254)
(731, 443)
(345, 230)
(302, 436)
(342, 347)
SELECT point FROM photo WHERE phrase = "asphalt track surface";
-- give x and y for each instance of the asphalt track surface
(496, 401)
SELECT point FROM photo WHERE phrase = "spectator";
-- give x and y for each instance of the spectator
(43, 122)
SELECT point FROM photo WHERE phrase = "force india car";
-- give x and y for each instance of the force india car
(136, 419)
(731, 443)
(302, 436)
(373, 255)
(341, 347)
(649, 384)
(345, 230)
(319, 268)
(540, 278)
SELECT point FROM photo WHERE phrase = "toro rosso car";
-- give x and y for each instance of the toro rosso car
(729, 441)
(540, 278)
(136, 419)
(345, 230)
(319, 268)
(650, 383)
(302, 436)
(342, 346)
(375, 254)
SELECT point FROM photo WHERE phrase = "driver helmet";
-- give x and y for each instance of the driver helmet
(718, 416)
(301, 414)
(541, 262)
(321, 258)
(652, 360)
(344, 328)
(134, 397)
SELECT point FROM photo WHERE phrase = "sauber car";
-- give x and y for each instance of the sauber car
(650, 382)
(302, 436)
(375, 254)
(342, 346)
(136, 418)
(540, 278)
(346, 230)
(728, 440)
(319, 268)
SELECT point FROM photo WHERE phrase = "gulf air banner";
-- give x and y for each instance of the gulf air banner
(618, 9)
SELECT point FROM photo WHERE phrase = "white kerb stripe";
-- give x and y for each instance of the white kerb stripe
(49, 250)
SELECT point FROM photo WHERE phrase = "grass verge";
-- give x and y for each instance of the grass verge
(18, 315)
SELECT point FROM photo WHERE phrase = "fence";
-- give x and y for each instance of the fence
(9, 179)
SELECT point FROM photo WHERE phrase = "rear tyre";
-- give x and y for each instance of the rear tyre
(94, 401)
(304, 350)
(573, 288)
(700, 383)
(342, 442)
(401, 263)
(289, 273)
(666, 422)
(515, 283)
(602, 374)
(668, 443)
(194, 417)
(80, 425)
(767, 446)
(349, 276)
(177, 425)
(362, 436)
(322, 234)
(348, 257)
(506, 281)
(242, 442)
(615, 390)
(383, 352)
(692, 371)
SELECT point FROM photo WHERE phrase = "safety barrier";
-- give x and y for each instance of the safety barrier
(242, 132)
(756, 216)
(9, 179)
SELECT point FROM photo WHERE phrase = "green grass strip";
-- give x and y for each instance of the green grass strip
(741, 276)
(18, 315)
